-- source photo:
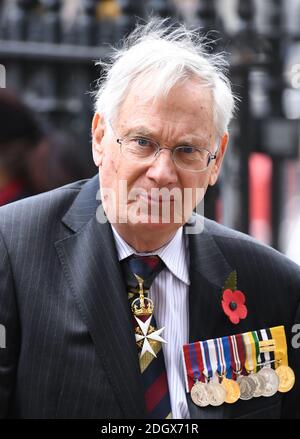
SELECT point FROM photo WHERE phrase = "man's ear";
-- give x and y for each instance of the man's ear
(97, 136)
(218, 161)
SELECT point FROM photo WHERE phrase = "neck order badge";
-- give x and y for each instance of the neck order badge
(140, 272)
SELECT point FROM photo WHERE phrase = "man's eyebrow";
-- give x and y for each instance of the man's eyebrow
(139, 130)
(188, 139)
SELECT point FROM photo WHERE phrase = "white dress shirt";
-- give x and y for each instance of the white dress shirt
(169, 292)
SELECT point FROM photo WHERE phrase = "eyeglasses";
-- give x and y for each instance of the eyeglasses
(189, 158)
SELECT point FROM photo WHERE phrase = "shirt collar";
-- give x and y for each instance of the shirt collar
(179, 265)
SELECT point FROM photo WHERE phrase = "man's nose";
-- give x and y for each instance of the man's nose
(163, 169)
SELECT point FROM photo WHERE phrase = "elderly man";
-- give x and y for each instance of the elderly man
(100, 291)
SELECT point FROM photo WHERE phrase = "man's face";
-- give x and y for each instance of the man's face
(184, 117)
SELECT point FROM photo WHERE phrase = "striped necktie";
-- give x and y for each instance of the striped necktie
(152, 364)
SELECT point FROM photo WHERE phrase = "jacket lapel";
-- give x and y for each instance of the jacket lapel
(208, 272)
(90, 264)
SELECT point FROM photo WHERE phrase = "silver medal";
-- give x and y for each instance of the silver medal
(199, 394)
(247, 387)
(272, 381)
(260, 384)
(216, 394)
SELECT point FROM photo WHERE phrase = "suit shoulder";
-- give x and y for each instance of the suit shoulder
(45, 205)
(218, 230)
(245, 249)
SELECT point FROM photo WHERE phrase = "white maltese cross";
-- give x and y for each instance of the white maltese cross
(155, 335)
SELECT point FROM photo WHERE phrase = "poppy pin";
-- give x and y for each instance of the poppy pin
(233, 300)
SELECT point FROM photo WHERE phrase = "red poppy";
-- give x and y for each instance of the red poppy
(233, 305)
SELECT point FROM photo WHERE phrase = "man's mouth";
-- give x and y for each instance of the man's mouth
(155, 199)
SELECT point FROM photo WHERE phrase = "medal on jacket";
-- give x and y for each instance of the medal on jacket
(250, 384)
(252, 364)
(266, 359)
(216, 392)
(232, 389)
(286, 378)
(201, 360)
(199, 394)
(285, 373)
(194, 378)
(224, 347)
(248, 365)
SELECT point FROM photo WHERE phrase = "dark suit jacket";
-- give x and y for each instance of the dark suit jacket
(70, 349)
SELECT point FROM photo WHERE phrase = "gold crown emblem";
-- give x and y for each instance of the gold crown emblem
(142, 309)
(145, 305)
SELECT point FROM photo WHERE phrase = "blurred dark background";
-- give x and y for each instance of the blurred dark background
(48, 50)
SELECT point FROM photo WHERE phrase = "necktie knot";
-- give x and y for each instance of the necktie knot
(145, 267)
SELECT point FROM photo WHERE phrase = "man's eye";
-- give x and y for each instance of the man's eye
(143, 142)
(188, 149)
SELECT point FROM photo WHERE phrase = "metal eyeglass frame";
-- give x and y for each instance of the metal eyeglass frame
(172, 150)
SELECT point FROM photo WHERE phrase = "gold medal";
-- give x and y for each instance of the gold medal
(232, 390)
(286, 378)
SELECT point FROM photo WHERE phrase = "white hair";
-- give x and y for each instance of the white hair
(162, 56)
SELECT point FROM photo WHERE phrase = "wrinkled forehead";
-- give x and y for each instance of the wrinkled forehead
(146, 89)
(188, 105)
